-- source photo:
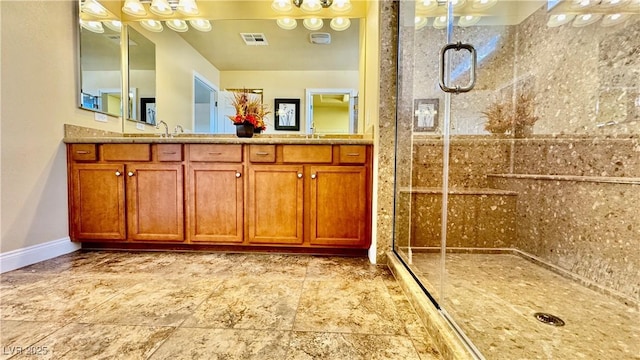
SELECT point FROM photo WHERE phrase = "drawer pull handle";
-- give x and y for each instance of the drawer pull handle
(169, 152)
(83, 152)
(313, 176)
(299, 175)
(238, 174)
(353, 154)
(262, 153)
(118, 173)
(130, 173)
(215, 153)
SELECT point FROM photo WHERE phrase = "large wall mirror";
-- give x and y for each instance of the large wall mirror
(171, 61)
(100, 77)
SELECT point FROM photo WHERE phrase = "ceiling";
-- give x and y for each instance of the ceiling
(286, 50)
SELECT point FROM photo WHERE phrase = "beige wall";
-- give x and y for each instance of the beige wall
(38, 97)
(288, 85)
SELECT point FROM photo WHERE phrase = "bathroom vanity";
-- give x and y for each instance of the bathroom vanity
(308, 195)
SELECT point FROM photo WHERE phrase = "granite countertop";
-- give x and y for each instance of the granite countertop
(188, 139)
(82, 135)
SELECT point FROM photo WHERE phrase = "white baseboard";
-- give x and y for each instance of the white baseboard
(16, 259)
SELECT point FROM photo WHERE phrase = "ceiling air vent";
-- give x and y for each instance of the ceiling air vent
(254, 39)
(320, 38)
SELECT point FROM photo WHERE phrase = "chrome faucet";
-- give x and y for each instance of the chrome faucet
(166, 128)
(178, 127)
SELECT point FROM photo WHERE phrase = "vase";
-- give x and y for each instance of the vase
(257, 130)
(244, 131)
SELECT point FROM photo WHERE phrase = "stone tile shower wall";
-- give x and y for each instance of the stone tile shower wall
(566, 195)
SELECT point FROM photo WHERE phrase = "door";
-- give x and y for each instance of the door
(275, 204)
(97, 202)
(216, 203)
(205, 112)
(338, 204)
(155, 202)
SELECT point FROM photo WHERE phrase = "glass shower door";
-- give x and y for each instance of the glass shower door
(517, 140)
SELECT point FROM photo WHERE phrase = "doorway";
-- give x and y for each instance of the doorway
(205, 97)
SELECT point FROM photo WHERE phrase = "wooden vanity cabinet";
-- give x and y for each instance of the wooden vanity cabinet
(215, 194)
(309, 195)
(120, 193)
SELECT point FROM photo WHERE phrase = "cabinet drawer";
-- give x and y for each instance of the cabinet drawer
(353, 154)
(126, 152)
(84, 152)
(307, 154)
(262, 153)
(215, 153)
(169, 152)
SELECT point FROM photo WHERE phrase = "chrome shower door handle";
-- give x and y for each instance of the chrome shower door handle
(472, 75)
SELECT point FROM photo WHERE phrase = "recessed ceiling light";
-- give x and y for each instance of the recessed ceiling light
(483, 4)
(281, 5)
(440, 22)
(420, 22)
(468, 20)
(114, 25)
(93, 26)
(201, 24)
(92, 7)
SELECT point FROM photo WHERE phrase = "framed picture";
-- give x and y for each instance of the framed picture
(287, 114)
(148, 110)
(425, 115)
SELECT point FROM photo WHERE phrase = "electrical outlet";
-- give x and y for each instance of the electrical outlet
(100, 117)
(140, 126)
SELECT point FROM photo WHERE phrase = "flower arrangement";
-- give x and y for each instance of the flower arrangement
(249, 111)
(503, 116)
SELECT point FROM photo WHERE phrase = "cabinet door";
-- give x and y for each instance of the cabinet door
(97, 202)
(155, 202)
(215, 203)
(275, 204)
(338, 203)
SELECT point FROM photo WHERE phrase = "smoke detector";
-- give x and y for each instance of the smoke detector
(320, 38)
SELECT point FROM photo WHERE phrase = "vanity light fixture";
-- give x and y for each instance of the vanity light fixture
(201, 24)
(341, 6)
(340, 23)
(152, 25)
(313, 23)
(310, 6)
(614, 19)
(161, 7)
(177, 25)
(281, 6)
(188, 7)
(458, 3)
(93, 26)
(420, 22)
(92, 7)
(613, 3)
(440, 22)
(468, 20)
(583, 4)
(483, 4)
(426, 5)
(586, 19)
(559, 19)
(287, 23)
(134, 8)
(114, 25)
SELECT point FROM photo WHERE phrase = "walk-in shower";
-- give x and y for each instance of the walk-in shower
(518, 172)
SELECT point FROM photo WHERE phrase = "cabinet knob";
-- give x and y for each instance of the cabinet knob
(130, 173)
(238, 174)
(299, 175)
(118, 173)
(313, 176)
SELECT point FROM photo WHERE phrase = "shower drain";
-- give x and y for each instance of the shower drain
(549, 319)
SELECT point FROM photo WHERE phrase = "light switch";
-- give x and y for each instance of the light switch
(100, 117)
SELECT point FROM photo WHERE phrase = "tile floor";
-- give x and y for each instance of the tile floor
(161, 305)
(493, 298)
